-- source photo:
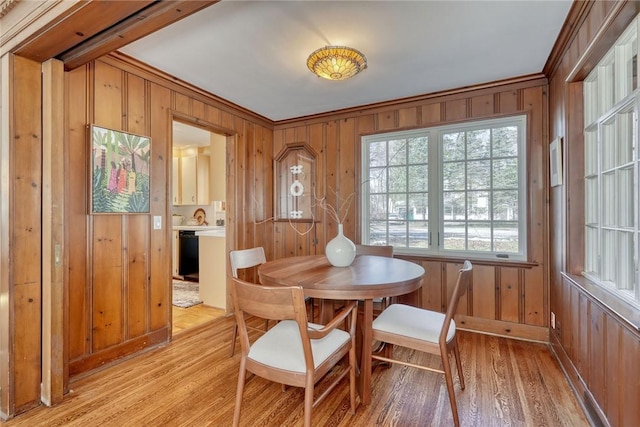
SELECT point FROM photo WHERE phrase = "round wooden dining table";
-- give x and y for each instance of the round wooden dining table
(367, 278)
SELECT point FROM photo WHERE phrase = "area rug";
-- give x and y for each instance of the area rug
(185, 294)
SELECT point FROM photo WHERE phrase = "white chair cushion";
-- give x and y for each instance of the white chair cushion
(413, 322)
(281, 346)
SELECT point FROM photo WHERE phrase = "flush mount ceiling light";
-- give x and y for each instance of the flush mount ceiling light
(336, 62)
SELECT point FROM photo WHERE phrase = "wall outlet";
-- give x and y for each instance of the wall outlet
(157, 222)
(553, 320)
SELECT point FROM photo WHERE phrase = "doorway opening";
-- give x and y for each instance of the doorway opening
(198, 195)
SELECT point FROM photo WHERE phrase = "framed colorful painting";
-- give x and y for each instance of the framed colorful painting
(119, 171)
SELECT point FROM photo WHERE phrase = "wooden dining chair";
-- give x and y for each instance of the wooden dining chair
(428, 331)
(241, 259)
(293, 352)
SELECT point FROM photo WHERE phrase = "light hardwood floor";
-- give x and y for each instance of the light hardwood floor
(191, 382)
(186, 318)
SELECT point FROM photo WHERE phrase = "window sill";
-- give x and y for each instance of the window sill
(476, 261)
(620, 309)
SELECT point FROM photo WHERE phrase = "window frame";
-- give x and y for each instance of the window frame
(611, 103)
(436, 218)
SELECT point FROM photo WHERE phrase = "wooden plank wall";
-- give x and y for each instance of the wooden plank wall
(509, 299)
(119, 278)
(596, 346)
(21, 270)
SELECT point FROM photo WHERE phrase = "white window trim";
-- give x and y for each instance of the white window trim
(436, 214)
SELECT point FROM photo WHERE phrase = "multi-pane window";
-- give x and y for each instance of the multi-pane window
(449, 190)
(612, 161)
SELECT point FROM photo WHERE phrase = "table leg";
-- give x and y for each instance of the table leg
(365, 362)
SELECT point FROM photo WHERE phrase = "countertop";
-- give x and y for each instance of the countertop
(212, 232)
(198, 227)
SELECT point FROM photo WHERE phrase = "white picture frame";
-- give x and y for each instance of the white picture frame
(555, 162)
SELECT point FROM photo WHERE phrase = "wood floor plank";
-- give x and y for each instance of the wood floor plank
(192, 381)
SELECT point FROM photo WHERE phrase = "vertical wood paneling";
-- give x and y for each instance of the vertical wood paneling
(347, 176)
(614, 371)
(107, 268)
(76, 213)
(107, 271)
(596, 352)
(386, 120)
(509, 294)
(332, 180)
(456, 110)
(534, 300)
(484, 292)
(537, 154)
(432, 286)
(182, 103)
(25, 177)
(137, 274)
(137, 226)
(482, 106)
(407, 117)
(159, 104)
(628, 404)
(431, 113)
(508, 101)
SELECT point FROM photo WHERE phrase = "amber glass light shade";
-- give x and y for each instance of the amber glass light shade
(336, 62)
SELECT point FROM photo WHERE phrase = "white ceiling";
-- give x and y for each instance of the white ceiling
(253, 53)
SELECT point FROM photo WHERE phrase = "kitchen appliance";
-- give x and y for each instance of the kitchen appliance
(188, 264)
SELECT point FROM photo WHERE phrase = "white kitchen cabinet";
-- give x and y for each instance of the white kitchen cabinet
(175, 180)
(191, 179)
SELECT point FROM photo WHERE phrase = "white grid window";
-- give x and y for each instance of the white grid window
(612, 223)
(449, 190)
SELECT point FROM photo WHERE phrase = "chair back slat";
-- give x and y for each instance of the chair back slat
(269, 302)
(246, 258)
(462, 285)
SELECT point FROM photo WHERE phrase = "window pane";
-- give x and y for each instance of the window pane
(505, 141)
(453, 146)
(479, 236)
(591, 253)
(398, 152)
(505, 237)
(378, 207)
(479, 175)
(591, 200)
(418, 234)
(479, 144)
(453, 177)
(608, 146)
(455, 236)
(419, 150)
(378, 154)
(608, 202)
(397, 179)
(419, 203)
(505, 205)
(624, 195)
(505, 173)
(478, 205)
(626, 269)
(377, 180)
(624, 138)
(591, 152)
(454, 205)
(418, 178)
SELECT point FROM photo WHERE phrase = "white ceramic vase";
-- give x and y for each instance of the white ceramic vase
(340, 251)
